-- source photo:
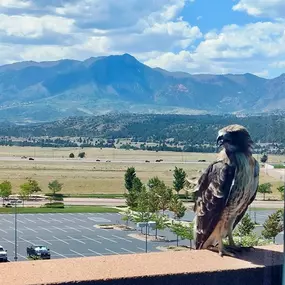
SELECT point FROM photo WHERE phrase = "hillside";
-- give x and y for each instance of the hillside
(47, 91)
(190, 130)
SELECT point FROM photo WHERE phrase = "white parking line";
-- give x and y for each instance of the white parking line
(58, 253)
(43, 220)
(30, 229)
(111, 251)
(122, 238)
(60, 240)
(143, 249)
(77, 252)
(80, 220)
(86, 228)
(7, 221)
(74, 229)
(3, 231)
(18, 220)
(59, 229)
(92, 239)
(76, 239)
(31, 221)
(58, 221)
(127, 250)
(45, 229)
(95, 252)
(17, 230)
(68, 220)
(7, 240)
(24, 240)
(44, 240)
(24, 257)
(111, 240)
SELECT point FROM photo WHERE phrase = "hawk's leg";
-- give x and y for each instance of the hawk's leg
(222, 250)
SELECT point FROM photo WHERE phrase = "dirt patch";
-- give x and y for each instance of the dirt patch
(174, 248)
(149, 238)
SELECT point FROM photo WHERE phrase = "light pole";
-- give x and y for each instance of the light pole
(146, 225)
(15, 223)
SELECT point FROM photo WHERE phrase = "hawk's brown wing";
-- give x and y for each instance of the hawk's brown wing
(211, 197)
(255, 185)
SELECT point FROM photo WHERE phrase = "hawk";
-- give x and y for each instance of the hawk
(225, 190)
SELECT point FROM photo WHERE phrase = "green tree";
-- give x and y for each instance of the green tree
(177, 207)
(179, 179)
(71, 155)
(161, 222)
(273, 225)
(130, 175)
(187, 232)
(177, 229)
(127, 216)
(133, 194)
(81, 154)
(55, 187)
(24, 192)
(265, 188)
(5, 190)
(155, 182)
(281, 190)
(245, 227)
(30, 187)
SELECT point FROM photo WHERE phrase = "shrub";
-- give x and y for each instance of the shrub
(71, 155)
(57, 205)
(55, 197)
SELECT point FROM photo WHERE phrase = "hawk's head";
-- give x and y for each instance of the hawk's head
(235, 138)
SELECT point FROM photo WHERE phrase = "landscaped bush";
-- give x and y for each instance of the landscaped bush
(55, 197)
(57, 205)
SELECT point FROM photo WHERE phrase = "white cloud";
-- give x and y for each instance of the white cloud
(258, 8)
(278, 64)
(235, 49)
(14, 3)
(33, 27)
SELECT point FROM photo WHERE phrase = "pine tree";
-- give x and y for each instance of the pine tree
(273, 225)
(246, 226)
(179, 179)
(129, 178)
(177, 207)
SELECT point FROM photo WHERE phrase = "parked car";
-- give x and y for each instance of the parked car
(201, 160)
(147, 161)
(3, 254)
(31, 158)
(38, 252)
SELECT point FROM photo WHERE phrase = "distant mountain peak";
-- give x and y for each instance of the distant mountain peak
(49, 90)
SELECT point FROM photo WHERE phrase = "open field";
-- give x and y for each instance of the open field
(86, 176)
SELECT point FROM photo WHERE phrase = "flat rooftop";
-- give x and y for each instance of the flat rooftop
(118, 267)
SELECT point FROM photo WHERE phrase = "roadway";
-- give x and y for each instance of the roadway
(121, 202)
(89, 160)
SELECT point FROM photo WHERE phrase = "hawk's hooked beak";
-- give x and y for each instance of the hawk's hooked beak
(220, 141)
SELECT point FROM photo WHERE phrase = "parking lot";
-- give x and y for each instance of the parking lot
(68, 235)
(75, 235)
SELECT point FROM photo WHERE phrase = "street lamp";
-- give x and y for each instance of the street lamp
(15, 224)
(147, 225)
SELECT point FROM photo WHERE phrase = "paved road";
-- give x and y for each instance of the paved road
(121, 202)
(89, 160)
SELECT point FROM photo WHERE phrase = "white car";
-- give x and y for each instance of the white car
(3, 254)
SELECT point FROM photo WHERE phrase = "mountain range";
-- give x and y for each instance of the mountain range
(47, 91)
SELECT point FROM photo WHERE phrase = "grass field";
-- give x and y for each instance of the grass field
(69, 209)
(83, 177)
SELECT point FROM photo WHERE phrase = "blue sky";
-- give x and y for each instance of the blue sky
(196, 36)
